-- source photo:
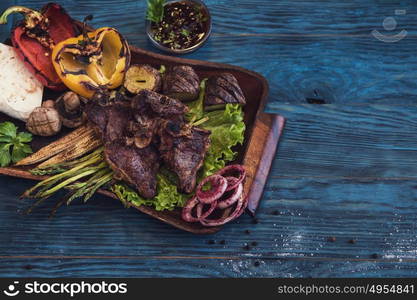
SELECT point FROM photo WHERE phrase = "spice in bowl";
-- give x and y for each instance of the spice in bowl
(178, 26)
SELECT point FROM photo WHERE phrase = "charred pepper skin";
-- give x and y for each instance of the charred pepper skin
(94, 61)
(36, 35)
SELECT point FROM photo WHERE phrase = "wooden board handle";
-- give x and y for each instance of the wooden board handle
(260, 155)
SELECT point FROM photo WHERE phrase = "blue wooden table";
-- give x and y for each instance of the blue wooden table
(341, 199)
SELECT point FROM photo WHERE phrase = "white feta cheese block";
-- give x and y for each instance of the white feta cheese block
(20, 91)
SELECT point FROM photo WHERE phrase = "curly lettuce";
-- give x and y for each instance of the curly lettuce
(227, 130)
(167, 197)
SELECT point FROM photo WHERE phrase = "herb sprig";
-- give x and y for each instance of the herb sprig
(13, 145)
(155, 12)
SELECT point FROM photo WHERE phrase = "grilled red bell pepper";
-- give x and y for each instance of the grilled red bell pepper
(36, 35)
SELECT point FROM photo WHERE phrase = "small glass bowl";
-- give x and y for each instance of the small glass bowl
(185, 50)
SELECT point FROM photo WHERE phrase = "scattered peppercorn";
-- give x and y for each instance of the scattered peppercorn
(211, 242)
(28, 267)
(331, 239)
(375, 256)
(246, 247)
(222, 242)
(247, 231)
(352, 241)
(254, 244)
(276, 213)
(257, 263)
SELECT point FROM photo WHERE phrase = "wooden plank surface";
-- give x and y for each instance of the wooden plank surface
(346, 170)
(202, 268)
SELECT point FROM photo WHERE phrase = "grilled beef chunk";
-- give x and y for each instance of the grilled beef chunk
(142, 131)
(221, 90)
(160, 105)
(135, 166)
(110, 120)
(183, 149)
(138, 134)
(181, 82)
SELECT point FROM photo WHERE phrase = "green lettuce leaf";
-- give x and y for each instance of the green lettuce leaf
(227, 130)
(196, 108)
(167, 197)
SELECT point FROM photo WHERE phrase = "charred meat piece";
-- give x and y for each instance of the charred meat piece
(110, 120)
(141, 77)
(182, 83)
(161, 106)
(142, 131)
(135, 166)
(183, 149)
(221, 90)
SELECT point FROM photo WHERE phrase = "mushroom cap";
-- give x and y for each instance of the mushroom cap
(44, 121)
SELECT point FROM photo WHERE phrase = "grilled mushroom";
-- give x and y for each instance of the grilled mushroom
(70, 108)
(221, 90)
(182, 83)
(48, 103)
(44, 121)
(140, 77)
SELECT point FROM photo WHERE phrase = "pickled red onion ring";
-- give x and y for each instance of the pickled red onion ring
(216, 201)
(232, 183)
(237, 193)
(188, 210)
(218, 187)
(241, 203)
(225, 172)
(200, 207)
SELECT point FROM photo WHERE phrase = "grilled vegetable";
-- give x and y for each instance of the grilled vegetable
(58, 146)
(182, 83)
(70, 108)
(141, 77)
(44, 121)
(222, 90)
(93, 61)
(93, 171)
(35, 36)
(81, 147)
(48, 104)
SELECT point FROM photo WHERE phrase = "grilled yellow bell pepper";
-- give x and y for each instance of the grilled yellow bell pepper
(92, 61)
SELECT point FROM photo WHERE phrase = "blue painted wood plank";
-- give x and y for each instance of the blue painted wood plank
(361, 141)
(300, 46)
(296, 218)
(342, 171)
(201, 268)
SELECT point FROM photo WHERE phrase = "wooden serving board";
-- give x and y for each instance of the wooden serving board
(256, 154)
